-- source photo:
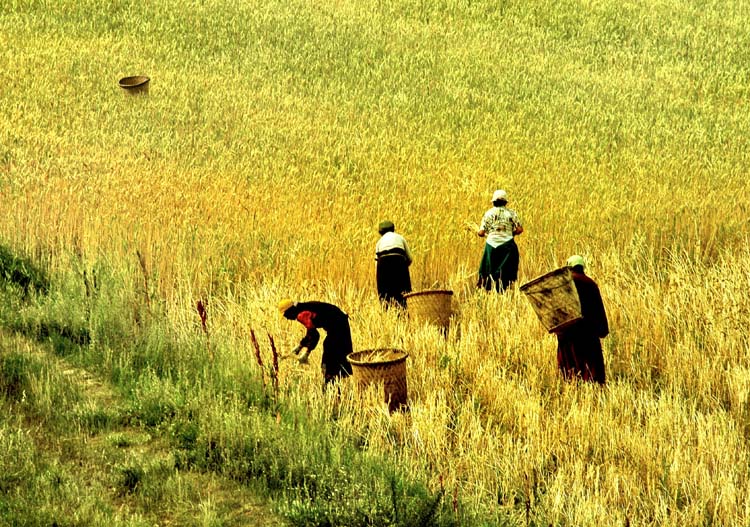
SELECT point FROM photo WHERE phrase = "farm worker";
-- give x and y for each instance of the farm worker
(338, 342)
(579, 348)
(500, 225)
(393, 259)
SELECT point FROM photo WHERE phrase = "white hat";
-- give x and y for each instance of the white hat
(575, 260)
(499, 195)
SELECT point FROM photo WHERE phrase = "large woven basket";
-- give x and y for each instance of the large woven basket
(554, 298)
(433, 306)
(382, 365)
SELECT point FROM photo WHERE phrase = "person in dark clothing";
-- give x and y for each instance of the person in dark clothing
(393, 259)
(579, 348)
(498, 268)
(338, 342)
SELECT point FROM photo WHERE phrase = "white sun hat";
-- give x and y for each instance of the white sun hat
(575, 260)
(499, 195)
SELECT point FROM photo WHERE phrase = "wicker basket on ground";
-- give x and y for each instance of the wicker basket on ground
(433, 306)
(384, 365)
(554, 298)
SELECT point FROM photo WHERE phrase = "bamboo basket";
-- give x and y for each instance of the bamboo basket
(554, 298)
(383, 365)
(433, 306)
(136, 85)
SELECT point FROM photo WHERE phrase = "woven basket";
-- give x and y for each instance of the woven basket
(382, 365)
(554, 298)
(135, 85)
(432, 306)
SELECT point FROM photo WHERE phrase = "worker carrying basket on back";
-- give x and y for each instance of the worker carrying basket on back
(579, 348)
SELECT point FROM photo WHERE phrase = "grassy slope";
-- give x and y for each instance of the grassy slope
(70, 456)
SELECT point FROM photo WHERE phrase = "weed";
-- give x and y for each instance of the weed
(15, 372)
(130, 478)
(22, 272)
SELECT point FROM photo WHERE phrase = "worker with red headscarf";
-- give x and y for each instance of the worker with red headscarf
(338, 342)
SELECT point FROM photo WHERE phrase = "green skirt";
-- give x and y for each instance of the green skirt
(499, 266)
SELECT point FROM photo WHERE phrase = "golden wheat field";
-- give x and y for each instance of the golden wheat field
(276, 135)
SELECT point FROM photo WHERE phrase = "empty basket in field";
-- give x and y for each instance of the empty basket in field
(135, 85)
(384, 365)
(434, 306)
(554, 298)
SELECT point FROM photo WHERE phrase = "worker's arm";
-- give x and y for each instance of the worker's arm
(600, 322)
(517, 225)
(311, 338)
(408, 253)
(484, 226)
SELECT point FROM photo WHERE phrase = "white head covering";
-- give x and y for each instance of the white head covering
(575, 260)
(499, 195)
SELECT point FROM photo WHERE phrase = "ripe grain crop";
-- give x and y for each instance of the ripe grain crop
(276, 135)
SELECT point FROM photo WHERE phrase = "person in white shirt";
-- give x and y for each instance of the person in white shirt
(393, 258)
(500, 225)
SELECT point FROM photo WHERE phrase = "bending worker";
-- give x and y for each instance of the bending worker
(393, 260)
(579, 348)
(499, 265)
(338, 342)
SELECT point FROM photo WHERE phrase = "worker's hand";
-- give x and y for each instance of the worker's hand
(303, 357)
(472, 227)
(296, 350)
